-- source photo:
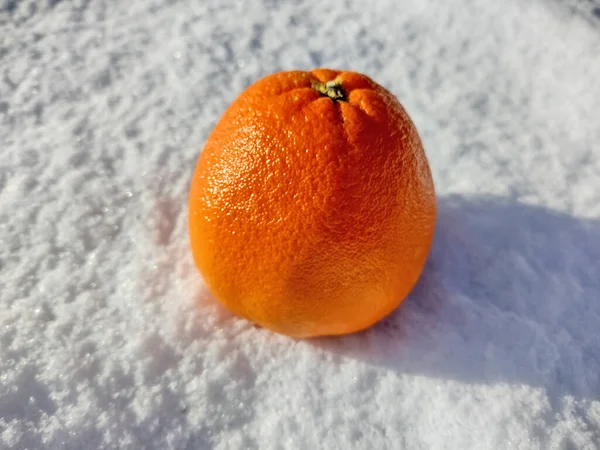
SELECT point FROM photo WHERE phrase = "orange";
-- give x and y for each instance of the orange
(312, 206)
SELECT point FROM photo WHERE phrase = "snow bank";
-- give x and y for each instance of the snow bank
(108, 338)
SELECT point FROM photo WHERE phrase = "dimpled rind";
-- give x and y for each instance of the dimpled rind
(310, 215)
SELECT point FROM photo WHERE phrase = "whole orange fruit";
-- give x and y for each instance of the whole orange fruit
(312, 206)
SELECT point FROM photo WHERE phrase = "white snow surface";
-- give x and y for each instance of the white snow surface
(108, 337)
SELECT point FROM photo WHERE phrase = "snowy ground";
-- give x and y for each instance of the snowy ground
(108, 338)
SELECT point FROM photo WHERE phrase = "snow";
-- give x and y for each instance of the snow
(108, 337)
